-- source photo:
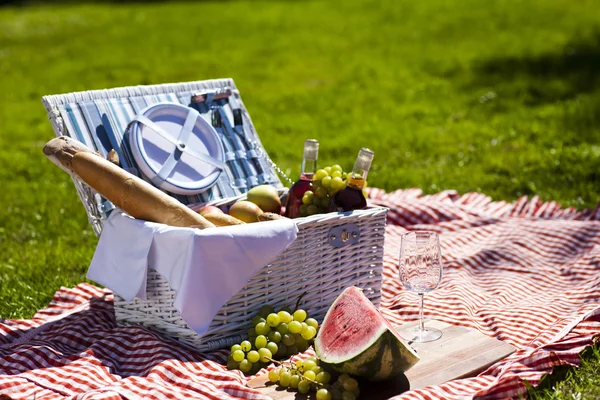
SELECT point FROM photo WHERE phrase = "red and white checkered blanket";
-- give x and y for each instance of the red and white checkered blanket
(526, 272)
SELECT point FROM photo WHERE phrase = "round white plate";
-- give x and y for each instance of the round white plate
(170, 161)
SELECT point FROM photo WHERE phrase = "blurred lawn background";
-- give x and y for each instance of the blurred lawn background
(498, 97)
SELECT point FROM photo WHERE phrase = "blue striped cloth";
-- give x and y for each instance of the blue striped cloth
(101, 124)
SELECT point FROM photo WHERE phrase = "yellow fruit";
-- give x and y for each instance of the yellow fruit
(245, 211)
(266, 197)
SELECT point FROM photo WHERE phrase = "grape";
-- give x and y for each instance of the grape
(257, 319)
(348, 396)
(317, 370)
(260, 342)
(320, 174)
(312, 322)
(235, 347)
(323, 394)
(288, 339)
(328, 170)
(252, 334)
(336, 174)
(283, 328)
(337, 392)
(245, 366)
(285, 317)
(325, 182)
(337, 184)
(281, 351)
(315, 359)
(265, 354)
(273, 320)
(303, 210)
(246, 346)
(308, 197)
(323, 377)
(303, 386)
(312, 209)
(262, 328)
(309, 332)
(337, 167)
(342, 378)
(274, 375)
(284, 378)
(231, 364)
(299, 315)
(301, 343)
(310, 374)
(300, 365)
(238, 356)
(272, 346)
(253, 356)
(309, 364)
(321, 192)
(266, 310)
(295, 327)
(294, 381)
(275, 336)
(350, 384)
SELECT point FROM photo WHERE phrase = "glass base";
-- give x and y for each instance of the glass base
(415, 335)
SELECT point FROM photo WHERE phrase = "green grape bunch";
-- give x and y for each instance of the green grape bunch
(274, 335)
(326, 183)
(306, 376)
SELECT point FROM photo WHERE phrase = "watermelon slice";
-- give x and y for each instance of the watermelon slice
(356, 339)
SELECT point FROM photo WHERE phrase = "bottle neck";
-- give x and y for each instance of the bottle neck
(358, 178)
(309, 167)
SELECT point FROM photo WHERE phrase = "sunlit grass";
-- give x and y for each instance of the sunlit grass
(567, 383)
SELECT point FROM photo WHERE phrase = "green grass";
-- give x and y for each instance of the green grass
(566, 383)
(498, 97)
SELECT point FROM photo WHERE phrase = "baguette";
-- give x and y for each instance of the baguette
(221, 219)
(61, 150)
(133, 195)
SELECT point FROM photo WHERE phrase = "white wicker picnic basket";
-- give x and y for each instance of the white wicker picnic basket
(332, 251)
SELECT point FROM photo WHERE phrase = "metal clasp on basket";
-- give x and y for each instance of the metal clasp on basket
(344, 235)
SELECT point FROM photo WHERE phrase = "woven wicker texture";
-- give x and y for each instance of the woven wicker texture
(311, 267)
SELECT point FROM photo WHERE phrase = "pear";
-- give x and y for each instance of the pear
(245, 211)
(210, 210)
(266, 197)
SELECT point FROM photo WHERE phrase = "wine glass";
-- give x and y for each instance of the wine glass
(420, 272)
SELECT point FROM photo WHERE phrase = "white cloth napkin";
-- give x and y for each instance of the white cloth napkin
(205, 267)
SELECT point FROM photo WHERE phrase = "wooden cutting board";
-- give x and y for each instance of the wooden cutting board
(460, 353)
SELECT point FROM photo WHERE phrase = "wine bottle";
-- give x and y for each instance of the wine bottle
(352, 197)
(309, 166)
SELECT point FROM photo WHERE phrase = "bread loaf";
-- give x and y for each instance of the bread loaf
(133, 195)
(221, 219)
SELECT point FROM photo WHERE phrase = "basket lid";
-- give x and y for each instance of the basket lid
(101, 119)
(176, 149)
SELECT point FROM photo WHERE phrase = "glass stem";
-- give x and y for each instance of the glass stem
(421, 325)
